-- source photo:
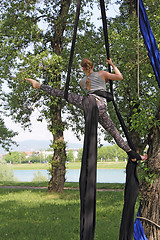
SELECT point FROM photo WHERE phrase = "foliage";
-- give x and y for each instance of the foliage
(70, 156)
(35, 157)
(141, 116)
(15, 157)
(27, 49)
(138, 112)
(79, 157)
(20, 102)
(35, 51)
(108, 153)
(6, 172)
(39, 177)
(6, 136)
(146, 175)
(21, 157)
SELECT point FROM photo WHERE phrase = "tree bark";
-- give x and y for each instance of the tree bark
(150, 188)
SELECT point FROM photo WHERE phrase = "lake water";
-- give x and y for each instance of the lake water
(72, 175)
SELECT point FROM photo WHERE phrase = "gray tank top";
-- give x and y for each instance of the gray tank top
(96, 83)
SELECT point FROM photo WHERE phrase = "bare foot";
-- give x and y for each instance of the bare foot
(134, 156)
(34, 83)
(134, 160)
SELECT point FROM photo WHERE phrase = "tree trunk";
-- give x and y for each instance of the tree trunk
(59, 158)
(150, 188)
(57, 171)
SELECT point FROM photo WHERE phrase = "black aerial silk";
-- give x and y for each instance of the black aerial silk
(87, 181)
(130, 196)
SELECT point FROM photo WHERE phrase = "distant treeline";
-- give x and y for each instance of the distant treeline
(22, 157)
(108, 153)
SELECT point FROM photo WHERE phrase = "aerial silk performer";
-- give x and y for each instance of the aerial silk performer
(95, 110)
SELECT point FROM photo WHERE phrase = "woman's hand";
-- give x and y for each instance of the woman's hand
(109, 61)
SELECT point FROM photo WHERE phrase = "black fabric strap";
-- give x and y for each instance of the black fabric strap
(107, 95)
(130, 196)
(72, 49)
(127, 134)
(87, 181)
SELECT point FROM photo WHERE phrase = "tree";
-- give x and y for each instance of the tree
(106, 153)
(28, 50)
(6, 172)
(141, 113)
(35, 157)
(70, 156)
(79, 157)
(15, 157)
(6, 136)
(110, 153)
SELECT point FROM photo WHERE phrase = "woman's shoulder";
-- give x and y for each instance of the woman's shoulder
(103, 74)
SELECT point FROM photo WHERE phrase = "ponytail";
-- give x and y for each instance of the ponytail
(87, 64)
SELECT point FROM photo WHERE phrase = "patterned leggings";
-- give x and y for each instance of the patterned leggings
(103, 118)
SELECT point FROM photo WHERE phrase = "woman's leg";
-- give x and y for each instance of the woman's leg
(104, 118)
(76, 100)
(109, 126)
(72, 97)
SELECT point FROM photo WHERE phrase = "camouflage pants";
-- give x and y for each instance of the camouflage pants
(103, 118)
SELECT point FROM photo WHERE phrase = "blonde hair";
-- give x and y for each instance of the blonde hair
(87, 64)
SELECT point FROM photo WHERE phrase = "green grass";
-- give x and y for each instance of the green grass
(72, 165)
(39, 215)
(111, 165)
(99, 185)
(28, 184)
(33, 166)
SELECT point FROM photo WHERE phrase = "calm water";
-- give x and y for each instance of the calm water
(72, 175)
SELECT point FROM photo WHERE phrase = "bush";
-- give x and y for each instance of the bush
(6, 173)
(39, 177)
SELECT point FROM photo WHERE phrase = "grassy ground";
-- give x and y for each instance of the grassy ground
(72, 165)
(39, 215)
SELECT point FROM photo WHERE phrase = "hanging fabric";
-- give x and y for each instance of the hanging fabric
(149, 40)
(138, 229)
(87, 181)
(130, 196)
(72, 48)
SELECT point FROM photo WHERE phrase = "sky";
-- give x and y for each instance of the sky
(39, 129)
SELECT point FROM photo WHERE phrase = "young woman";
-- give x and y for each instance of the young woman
(92, 82)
